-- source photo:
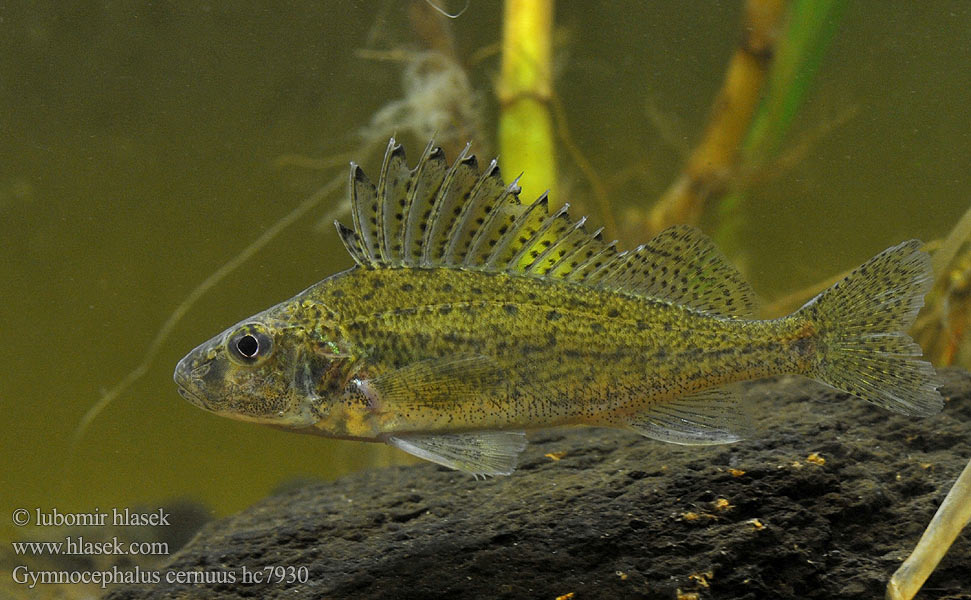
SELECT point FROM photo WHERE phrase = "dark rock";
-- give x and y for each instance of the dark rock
(620, 516)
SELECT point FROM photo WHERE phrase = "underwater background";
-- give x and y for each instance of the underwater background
(144, 146)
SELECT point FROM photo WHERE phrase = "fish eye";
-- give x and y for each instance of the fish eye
(250, 344)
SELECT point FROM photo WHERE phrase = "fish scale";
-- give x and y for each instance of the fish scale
(509, 318)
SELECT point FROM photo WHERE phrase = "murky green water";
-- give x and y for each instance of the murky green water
(139, 151)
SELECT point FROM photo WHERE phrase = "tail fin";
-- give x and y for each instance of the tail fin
(862, 347)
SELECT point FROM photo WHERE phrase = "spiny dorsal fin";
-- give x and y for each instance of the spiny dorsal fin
(456, 217)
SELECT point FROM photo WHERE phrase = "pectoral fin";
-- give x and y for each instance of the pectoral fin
(712, 416)
(434, 381)
(479, 453)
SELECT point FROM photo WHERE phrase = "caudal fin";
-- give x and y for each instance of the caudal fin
(862, 347)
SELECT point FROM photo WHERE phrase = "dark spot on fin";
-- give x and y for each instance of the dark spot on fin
(352, 243)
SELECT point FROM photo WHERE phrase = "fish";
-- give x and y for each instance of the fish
(470, 318)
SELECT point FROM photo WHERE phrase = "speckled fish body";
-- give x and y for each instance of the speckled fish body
(470, 318)
(556, 354)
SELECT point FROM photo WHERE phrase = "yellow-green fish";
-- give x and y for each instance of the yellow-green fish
(469, 318)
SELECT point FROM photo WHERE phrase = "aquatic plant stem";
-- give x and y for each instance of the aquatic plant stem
(809, 27)
(953, 515)
(711, 164)
(524, 91)
(221, 273)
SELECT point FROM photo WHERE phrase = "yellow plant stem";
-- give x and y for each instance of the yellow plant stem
(524, 91)
(712, 163)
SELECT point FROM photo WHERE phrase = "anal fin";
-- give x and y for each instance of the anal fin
(712, 416)
(480, 453)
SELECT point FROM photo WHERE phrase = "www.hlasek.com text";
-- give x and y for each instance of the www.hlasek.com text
(77, 545)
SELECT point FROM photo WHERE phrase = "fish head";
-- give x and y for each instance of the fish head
(271, 368)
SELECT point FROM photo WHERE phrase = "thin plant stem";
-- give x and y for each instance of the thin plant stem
(952, 517)
(711, 164)
(207, 284)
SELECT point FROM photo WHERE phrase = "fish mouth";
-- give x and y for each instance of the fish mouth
(189, 394)
(193, 398)
(187, 388)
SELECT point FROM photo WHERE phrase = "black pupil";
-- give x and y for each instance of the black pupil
(248, 346)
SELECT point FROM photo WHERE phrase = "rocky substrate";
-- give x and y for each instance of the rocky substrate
(826, 503)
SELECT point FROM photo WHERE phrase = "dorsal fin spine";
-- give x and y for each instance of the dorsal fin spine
(433, 220)
(543, 228)
(603, 272)
(556, 244)
(426, 189)
(393, 150)
(513, 231)
(394, 203)
(624, 273)
(455, 202)
(468, 209)
(486, 227)
(594, 238)
(608, 256)
(352, 243)
(405, 232)
(358, 184)
(513, 187)
(579, 274)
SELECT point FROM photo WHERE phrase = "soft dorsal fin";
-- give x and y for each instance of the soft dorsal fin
(455, 216)
(680, 265)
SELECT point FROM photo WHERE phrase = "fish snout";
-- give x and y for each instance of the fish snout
(186, 379)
